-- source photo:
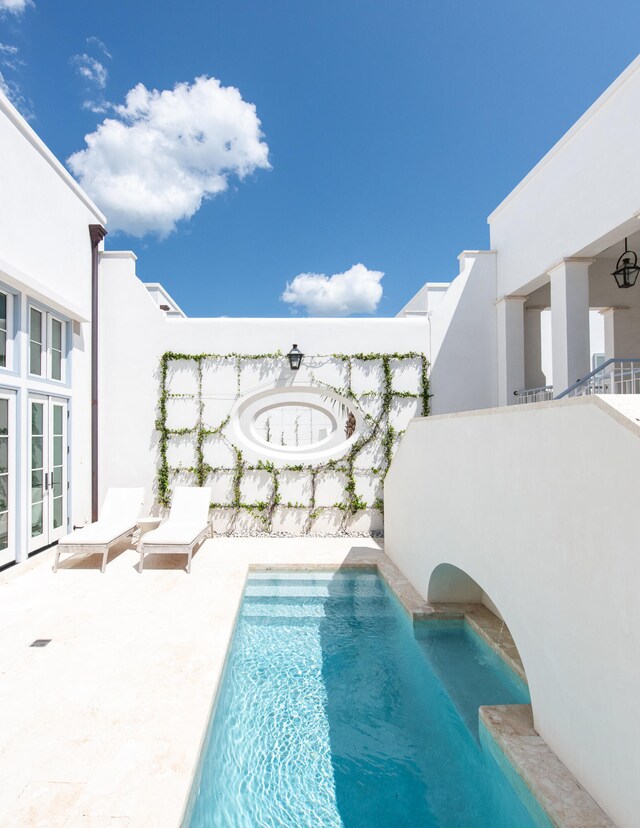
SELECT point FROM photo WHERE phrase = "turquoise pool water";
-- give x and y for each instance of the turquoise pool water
(336, 711)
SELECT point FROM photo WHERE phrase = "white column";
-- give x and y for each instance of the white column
(533, 374)
(569, 322)
(618, 333)
(510, 323)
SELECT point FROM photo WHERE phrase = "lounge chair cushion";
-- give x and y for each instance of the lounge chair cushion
(97, 534)
(174, 533)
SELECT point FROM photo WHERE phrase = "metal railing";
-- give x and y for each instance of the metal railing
(531, 395)
(615, 376)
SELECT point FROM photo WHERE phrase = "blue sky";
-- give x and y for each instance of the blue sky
(389, 129)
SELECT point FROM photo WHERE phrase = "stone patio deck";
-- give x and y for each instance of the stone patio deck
(103, 726)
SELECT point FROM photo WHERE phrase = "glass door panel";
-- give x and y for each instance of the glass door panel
(48, 456)
(38, 491)
(6, 480)
(57, 466)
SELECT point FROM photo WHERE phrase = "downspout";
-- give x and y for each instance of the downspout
(96, 233)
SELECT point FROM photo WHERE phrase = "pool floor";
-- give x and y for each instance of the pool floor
(336, 711)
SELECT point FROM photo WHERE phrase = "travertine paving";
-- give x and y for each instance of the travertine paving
(103, 726)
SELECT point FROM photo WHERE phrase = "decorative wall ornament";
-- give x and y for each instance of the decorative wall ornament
(220, 415)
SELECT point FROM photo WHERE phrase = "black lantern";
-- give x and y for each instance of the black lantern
(626, 271)
(295, 358)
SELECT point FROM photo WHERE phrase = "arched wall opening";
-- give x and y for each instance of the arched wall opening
(449, 584)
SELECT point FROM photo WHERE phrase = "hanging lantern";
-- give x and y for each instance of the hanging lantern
(295, 358)
(627, 269)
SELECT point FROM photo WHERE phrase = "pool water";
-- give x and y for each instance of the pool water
(335, 710)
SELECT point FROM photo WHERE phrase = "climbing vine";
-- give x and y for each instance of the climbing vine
(378, 430)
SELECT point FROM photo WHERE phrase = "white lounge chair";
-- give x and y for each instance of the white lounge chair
(186, 526)
(118, 518)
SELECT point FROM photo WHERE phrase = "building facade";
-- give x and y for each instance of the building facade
(45, 343)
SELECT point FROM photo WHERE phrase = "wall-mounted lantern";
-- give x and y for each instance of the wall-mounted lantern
(295, 358)
(626, 271)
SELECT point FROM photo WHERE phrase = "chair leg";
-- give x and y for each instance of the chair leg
(189, 553)
(56, 560)
(105, 555)
(141, 560)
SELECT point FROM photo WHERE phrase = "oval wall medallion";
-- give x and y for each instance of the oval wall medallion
(296, 423)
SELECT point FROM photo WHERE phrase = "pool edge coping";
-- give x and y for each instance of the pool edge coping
(551, 784)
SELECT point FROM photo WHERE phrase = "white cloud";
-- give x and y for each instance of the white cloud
(10, 61)
(91, 70)
(99, 107)
(95, 41)
(357, 290)
(13, 91)
(166, 151)
(14, 6)
(9, 57)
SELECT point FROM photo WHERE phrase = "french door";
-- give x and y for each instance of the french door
(7, 477)
(48, 448)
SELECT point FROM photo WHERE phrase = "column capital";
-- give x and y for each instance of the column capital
(612, 309)
(514, 298)
(586, 260)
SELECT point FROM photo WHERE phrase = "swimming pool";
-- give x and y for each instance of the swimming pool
(335, 710)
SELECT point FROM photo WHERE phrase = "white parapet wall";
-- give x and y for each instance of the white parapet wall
(537, 508)
(270, 442)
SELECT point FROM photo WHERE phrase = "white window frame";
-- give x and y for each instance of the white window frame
(51, 317)
(10, 297)
(43, 344)
(46, 354)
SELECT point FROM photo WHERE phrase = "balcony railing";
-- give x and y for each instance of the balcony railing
(531, 395)
(615, 376)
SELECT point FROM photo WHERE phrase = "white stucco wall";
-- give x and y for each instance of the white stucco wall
(45, 257)
(135, 334)
(463, 337)
(538, 504)
(572, 203)
(44, 217)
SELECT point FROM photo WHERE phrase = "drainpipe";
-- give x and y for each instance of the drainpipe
(96, 233)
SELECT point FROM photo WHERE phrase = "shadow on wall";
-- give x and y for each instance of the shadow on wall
(450, 584)
(463, 337)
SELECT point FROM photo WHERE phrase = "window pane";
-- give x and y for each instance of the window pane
(4, 531)
(57, 451)
(4, 454)
(56, 334)
(35, 358)
(56, 365)
(3, 349)
(57, 512)
(37, 489)
(36, 326)
(35, 346)
(3, 311)
(57, 419)
(4, 492)
(37, 416)
(36, 520)
(4, 416)
(36, 453)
